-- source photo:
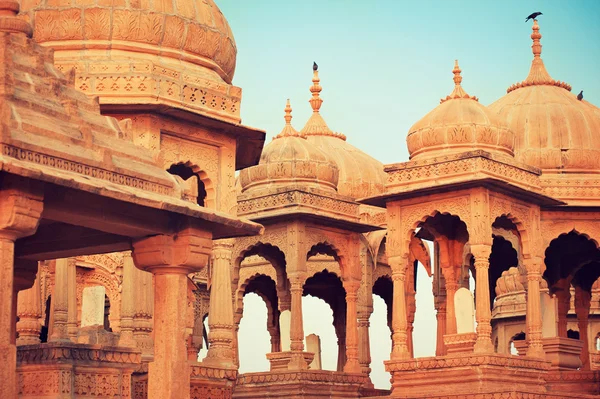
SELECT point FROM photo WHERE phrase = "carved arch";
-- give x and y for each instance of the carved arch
(188, 184)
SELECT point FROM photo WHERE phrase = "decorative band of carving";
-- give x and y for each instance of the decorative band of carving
(302, 376)
(210, 372)
(464, 360)
(87, 170)
(51, 353)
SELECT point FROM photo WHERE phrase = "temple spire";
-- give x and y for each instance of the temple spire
(316, 125)
(9, 22)
(458, 91)
(288, 129)
(538, 75)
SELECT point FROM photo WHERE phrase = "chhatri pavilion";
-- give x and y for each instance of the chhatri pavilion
(128, 243)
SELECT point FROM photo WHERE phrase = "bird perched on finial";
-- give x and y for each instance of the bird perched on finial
(533, 16)
(580, 95)
(315, 66)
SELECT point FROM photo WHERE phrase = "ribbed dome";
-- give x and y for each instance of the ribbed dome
(360, 175)
(290, 159)
(554, 130)
(460, 123)
(170, 52)
(188, 30)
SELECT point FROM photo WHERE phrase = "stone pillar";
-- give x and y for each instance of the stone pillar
(535, 348)
(352, 365)
(411, 309)
(296, 326)
(220, 313)
(440, 306)
(582, 309)
(313, 345)
(170, 259)
(563, 296)
(21, 205)
(127, 301)
(275, 338)
(72, 299)
(364, 344)
(399, 319)
(29, 310)
(60, 301)
(451, 287)
(143, 308)
(237, 317)
(481, 253)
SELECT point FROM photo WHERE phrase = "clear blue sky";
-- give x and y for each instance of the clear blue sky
(385, 63)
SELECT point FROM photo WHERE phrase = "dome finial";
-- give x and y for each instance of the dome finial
(315, 89)
(536, 47)
(458, 91)
(288, 129)
(9, 22)
(538, 75)
(288, 113)
(456, 71)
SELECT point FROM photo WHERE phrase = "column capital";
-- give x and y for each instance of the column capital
(481, 252)
(21, 206)
(181, 253)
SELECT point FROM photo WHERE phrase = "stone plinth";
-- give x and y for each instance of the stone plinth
(97, 335)
(67, 370)
(460, 343)
(210, 382)
(563, 353)
(466, 374)
(578, 383)
(302, 384)
(282, 360)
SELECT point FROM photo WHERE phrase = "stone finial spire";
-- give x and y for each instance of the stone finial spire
(315, 89)
(288, 129)
(538, 75)
(316, 125)
(9, 22)
(458, 91)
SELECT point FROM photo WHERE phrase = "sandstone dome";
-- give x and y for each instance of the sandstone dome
(554, 131)
(460, 123)
(291, 160)
(171, 52)
(360, 175)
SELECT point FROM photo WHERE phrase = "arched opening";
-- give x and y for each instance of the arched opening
(325, 297)
(380, 331)
(445, 236)
(253, 338)
(185, 172)
(502, 258)
(513, 350)
(573, 334)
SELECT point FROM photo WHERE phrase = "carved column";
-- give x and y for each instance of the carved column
(563, 296)
(411, 308)
(582, 309)
(21, 204)
(170, 259)
(352, 365)
(399, 318)
(237, 317)
(451, 287)
(127, 300)
(29, 310)
(60, 301)
(440, 307)
(535, 348)
(220, 313)
(143, 308)
(296, 325)
(483, 314)
(364, 347)
(72, 299)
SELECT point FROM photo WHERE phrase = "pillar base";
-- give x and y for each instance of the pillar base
(563, 353)
(460, 343)
(460, 375)
(290, 360)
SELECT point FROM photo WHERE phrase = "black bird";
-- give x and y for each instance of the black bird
(533, 16)
(315, 66)
(580, 95)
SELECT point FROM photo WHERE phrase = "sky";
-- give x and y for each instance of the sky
(384, 64)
